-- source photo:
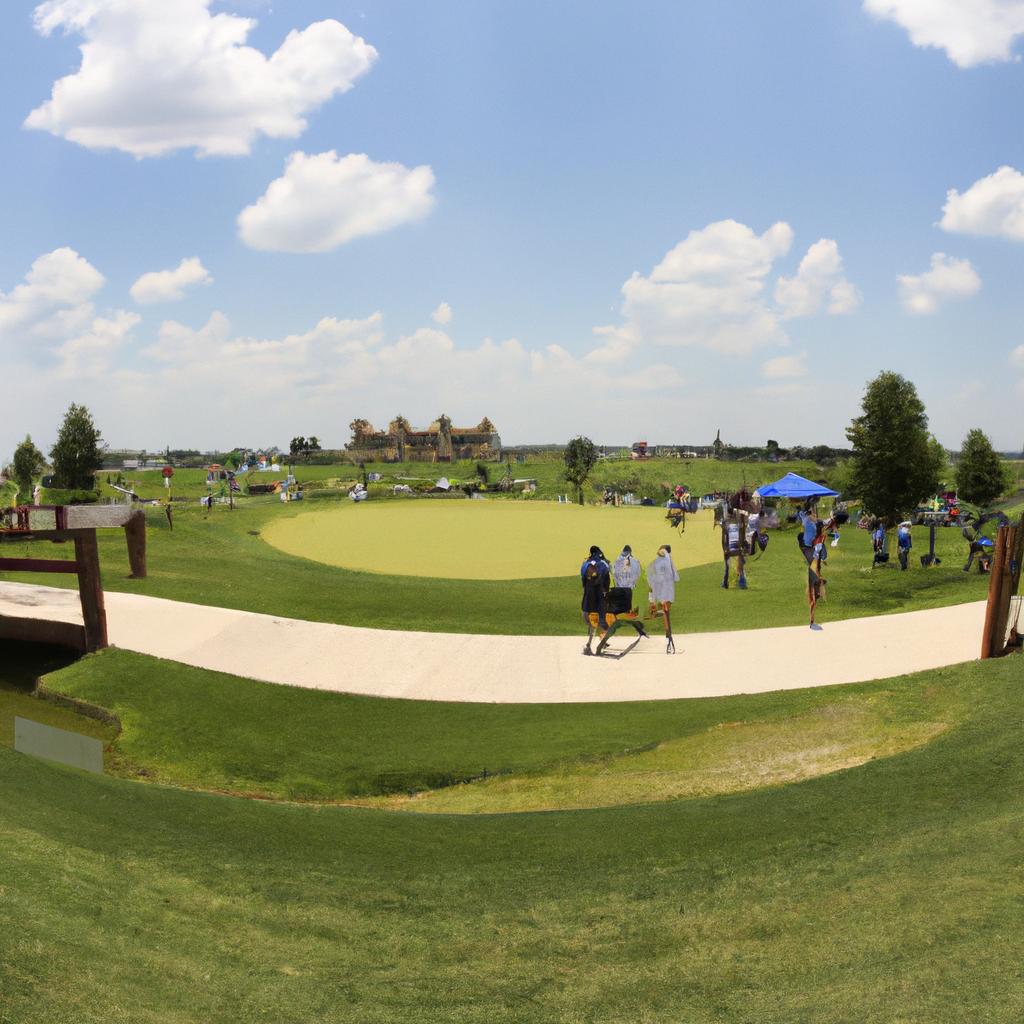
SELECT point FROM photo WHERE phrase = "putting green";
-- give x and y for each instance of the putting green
(485, 540)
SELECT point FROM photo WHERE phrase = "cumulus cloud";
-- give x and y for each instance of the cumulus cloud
(338, 357)
(324, 201)
(819, 281)
(157, 77)
(991, 206)
(50, 319)
(948, 278)
(442, 315)
(710, 290)
(57, 284)
(785, 367)
(92, 353)
(971, 32)
(170, 285)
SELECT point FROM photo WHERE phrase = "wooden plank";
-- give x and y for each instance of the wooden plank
(90, 590)
(38, 565)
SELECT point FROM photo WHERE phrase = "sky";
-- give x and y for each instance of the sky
(230, 223)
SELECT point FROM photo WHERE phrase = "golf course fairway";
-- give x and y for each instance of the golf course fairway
(485, 540)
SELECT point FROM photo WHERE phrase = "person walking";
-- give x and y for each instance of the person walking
(811, 546)
(663, 577)
(734, 545)
(904, 542)
(627, 571)
(595, 576)
(879, 544)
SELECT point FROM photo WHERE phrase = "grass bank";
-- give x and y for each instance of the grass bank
(190, 727)
(888, 892)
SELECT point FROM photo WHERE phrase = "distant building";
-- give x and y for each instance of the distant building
(440, 442)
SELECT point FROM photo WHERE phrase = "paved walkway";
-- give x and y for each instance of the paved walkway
(518, 669)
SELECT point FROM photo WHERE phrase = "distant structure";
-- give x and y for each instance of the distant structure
(639, 450)
(440, 442)
(719, 446)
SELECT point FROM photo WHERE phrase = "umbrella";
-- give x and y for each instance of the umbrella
(794, 486)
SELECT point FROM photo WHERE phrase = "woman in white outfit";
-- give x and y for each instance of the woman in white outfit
(662, 579)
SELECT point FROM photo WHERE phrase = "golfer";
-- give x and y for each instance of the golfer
(662, 577)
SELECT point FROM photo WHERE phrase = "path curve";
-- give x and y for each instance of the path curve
(517, 669)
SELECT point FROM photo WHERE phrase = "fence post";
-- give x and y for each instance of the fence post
(90, 590)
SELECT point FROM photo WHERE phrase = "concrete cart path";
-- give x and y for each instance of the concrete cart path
(518, 669)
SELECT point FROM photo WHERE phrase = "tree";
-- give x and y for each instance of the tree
(313, 444)
(580, 457)
(28, 463)
(896, 463)
(78, 451)
(981, 476)
(297, 446)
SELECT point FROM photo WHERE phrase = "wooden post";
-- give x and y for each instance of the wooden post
(90, 590)
(135, 534)
(1001, 618)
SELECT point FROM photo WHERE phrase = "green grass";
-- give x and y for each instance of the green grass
(222, 560)
(891, 892)
(484, 540)
(191, 727)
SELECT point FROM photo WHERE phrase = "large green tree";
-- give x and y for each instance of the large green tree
(981, 476)
(580, 457)
(28, 463)
(78, 452)
(896, 463)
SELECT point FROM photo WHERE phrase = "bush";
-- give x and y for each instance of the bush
(66, 496)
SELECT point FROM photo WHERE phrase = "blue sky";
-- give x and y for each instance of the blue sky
(605, 196)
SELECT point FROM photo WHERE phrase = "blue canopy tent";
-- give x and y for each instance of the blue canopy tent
(794, 486)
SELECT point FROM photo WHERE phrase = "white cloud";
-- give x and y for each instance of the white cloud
(442, 315)
(50, 319)
(1017, 357)
(324, 201)
(991, 206)
(710, 290)
(58, 283)
(819, 281)
(971, 32)
(158, 76)
(170, 285)
(948, 278)
(92, 353)
(785, 367)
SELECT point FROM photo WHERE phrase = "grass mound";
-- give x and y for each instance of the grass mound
(206, 730)
(890, 892)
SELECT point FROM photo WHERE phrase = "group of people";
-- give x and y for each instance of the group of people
(608, 593)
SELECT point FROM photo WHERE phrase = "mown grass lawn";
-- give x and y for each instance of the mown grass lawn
(222, 560)
(888, 892)
(191, 727)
